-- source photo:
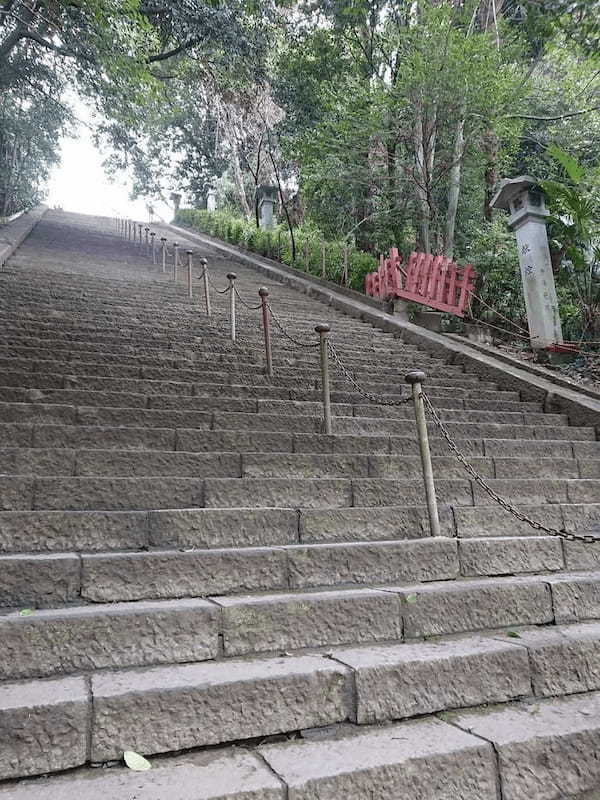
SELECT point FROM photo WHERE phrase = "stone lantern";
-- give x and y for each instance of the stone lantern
(524, 199)
(266, 198)
(176, 200)
(211, 199)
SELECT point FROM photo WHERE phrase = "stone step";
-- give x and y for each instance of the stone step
(437, 762)
(46, 581)
(63, 462)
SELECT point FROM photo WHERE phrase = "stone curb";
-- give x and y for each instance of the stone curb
(582, 410)
(15, 232)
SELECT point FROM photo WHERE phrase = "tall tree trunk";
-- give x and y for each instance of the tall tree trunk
(421, 181)
(239, 181)
(490, 146)
(454, 184)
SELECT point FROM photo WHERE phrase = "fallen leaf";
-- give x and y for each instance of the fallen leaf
(513, 634)
(25, 612)
(135, 761)
(411, 598)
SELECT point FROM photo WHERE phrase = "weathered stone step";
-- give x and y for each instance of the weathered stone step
(153, 463)
(206, 528)
(430, 756)
(46, 581)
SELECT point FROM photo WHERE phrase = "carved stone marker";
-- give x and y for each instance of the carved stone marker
(266, 197)
(523, 198)
(211, 200)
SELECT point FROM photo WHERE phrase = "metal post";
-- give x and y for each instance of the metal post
(323, 331)
(175, 260)
(204, 264)
(153, 240)
(129, 229)
(189, 273)
(264, 293)
(415, 379)
(163, 240)
(140, 226)
(147, 242)
(231, 277)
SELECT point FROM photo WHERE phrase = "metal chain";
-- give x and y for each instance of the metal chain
(563, 534)
(380, 401)
(218, 291)
(297, 342)
(244, 303)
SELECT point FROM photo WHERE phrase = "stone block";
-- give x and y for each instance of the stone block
(361, 444)
(442, 608)
(93, 437)
(509, 448)
(218, 527)
(57, 531)
(575, 597)
(586, 450)
(43, 726)
(493, 520)
(368, 524)
(155, 463)
(283, 622)
(510, 555)
(51, 642)
(524, 490)
(141, 418)
(584, 491)
(536, 467)
(380, 562)
(277, 492)
(298, 465)
(16, 494)
(409, 467)
(393, 682)
(234, 441)
(564, 659)
(117, 494)
(227, 774)
(15, 434)
(38, 412)
(265, 422)
(387, 492)
(41, 581)
(427, 759)
(547, 750)
(175, 708)
(168, 573)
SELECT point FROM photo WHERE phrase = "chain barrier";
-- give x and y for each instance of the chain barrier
(297, 342)
(244, 303)
(563, 534)
(218, 291)
(380, 401)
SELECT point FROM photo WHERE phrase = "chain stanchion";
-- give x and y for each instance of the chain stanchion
(204, 264)
(163, 244)
(140, 227)
(264, 294)
(129, 230)
(587, 538)
(190, 255)
(323, 330)
(175, 260)
(231, 276)
(153, 246)
(147, 240)
(415, 378)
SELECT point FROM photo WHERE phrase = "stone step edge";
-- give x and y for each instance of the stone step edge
(283, 758)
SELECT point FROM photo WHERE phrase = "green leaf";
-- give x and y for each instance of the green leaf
(135, 761)
(411, 598)
(513, 634)
(26, 612)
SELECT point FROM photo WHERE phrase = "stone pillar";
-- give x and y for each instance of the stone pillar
(266, 197)
(211, 200)
(176, 200)
(525, 202)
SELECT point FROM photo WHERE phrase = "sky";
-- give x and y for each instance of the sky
(80, 184)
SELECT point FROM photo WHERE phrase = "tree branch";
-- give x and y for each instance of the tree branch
(553, 119)
(174, 52)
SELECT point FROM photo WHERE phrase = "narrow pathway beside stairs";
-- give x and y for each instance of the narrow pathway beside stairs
(188, 564)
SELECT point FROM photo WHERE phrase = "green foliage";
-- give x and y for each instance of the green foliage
(312, 250)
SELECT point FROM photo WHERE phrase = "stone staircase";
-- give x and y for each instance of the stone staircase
(190, 570)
